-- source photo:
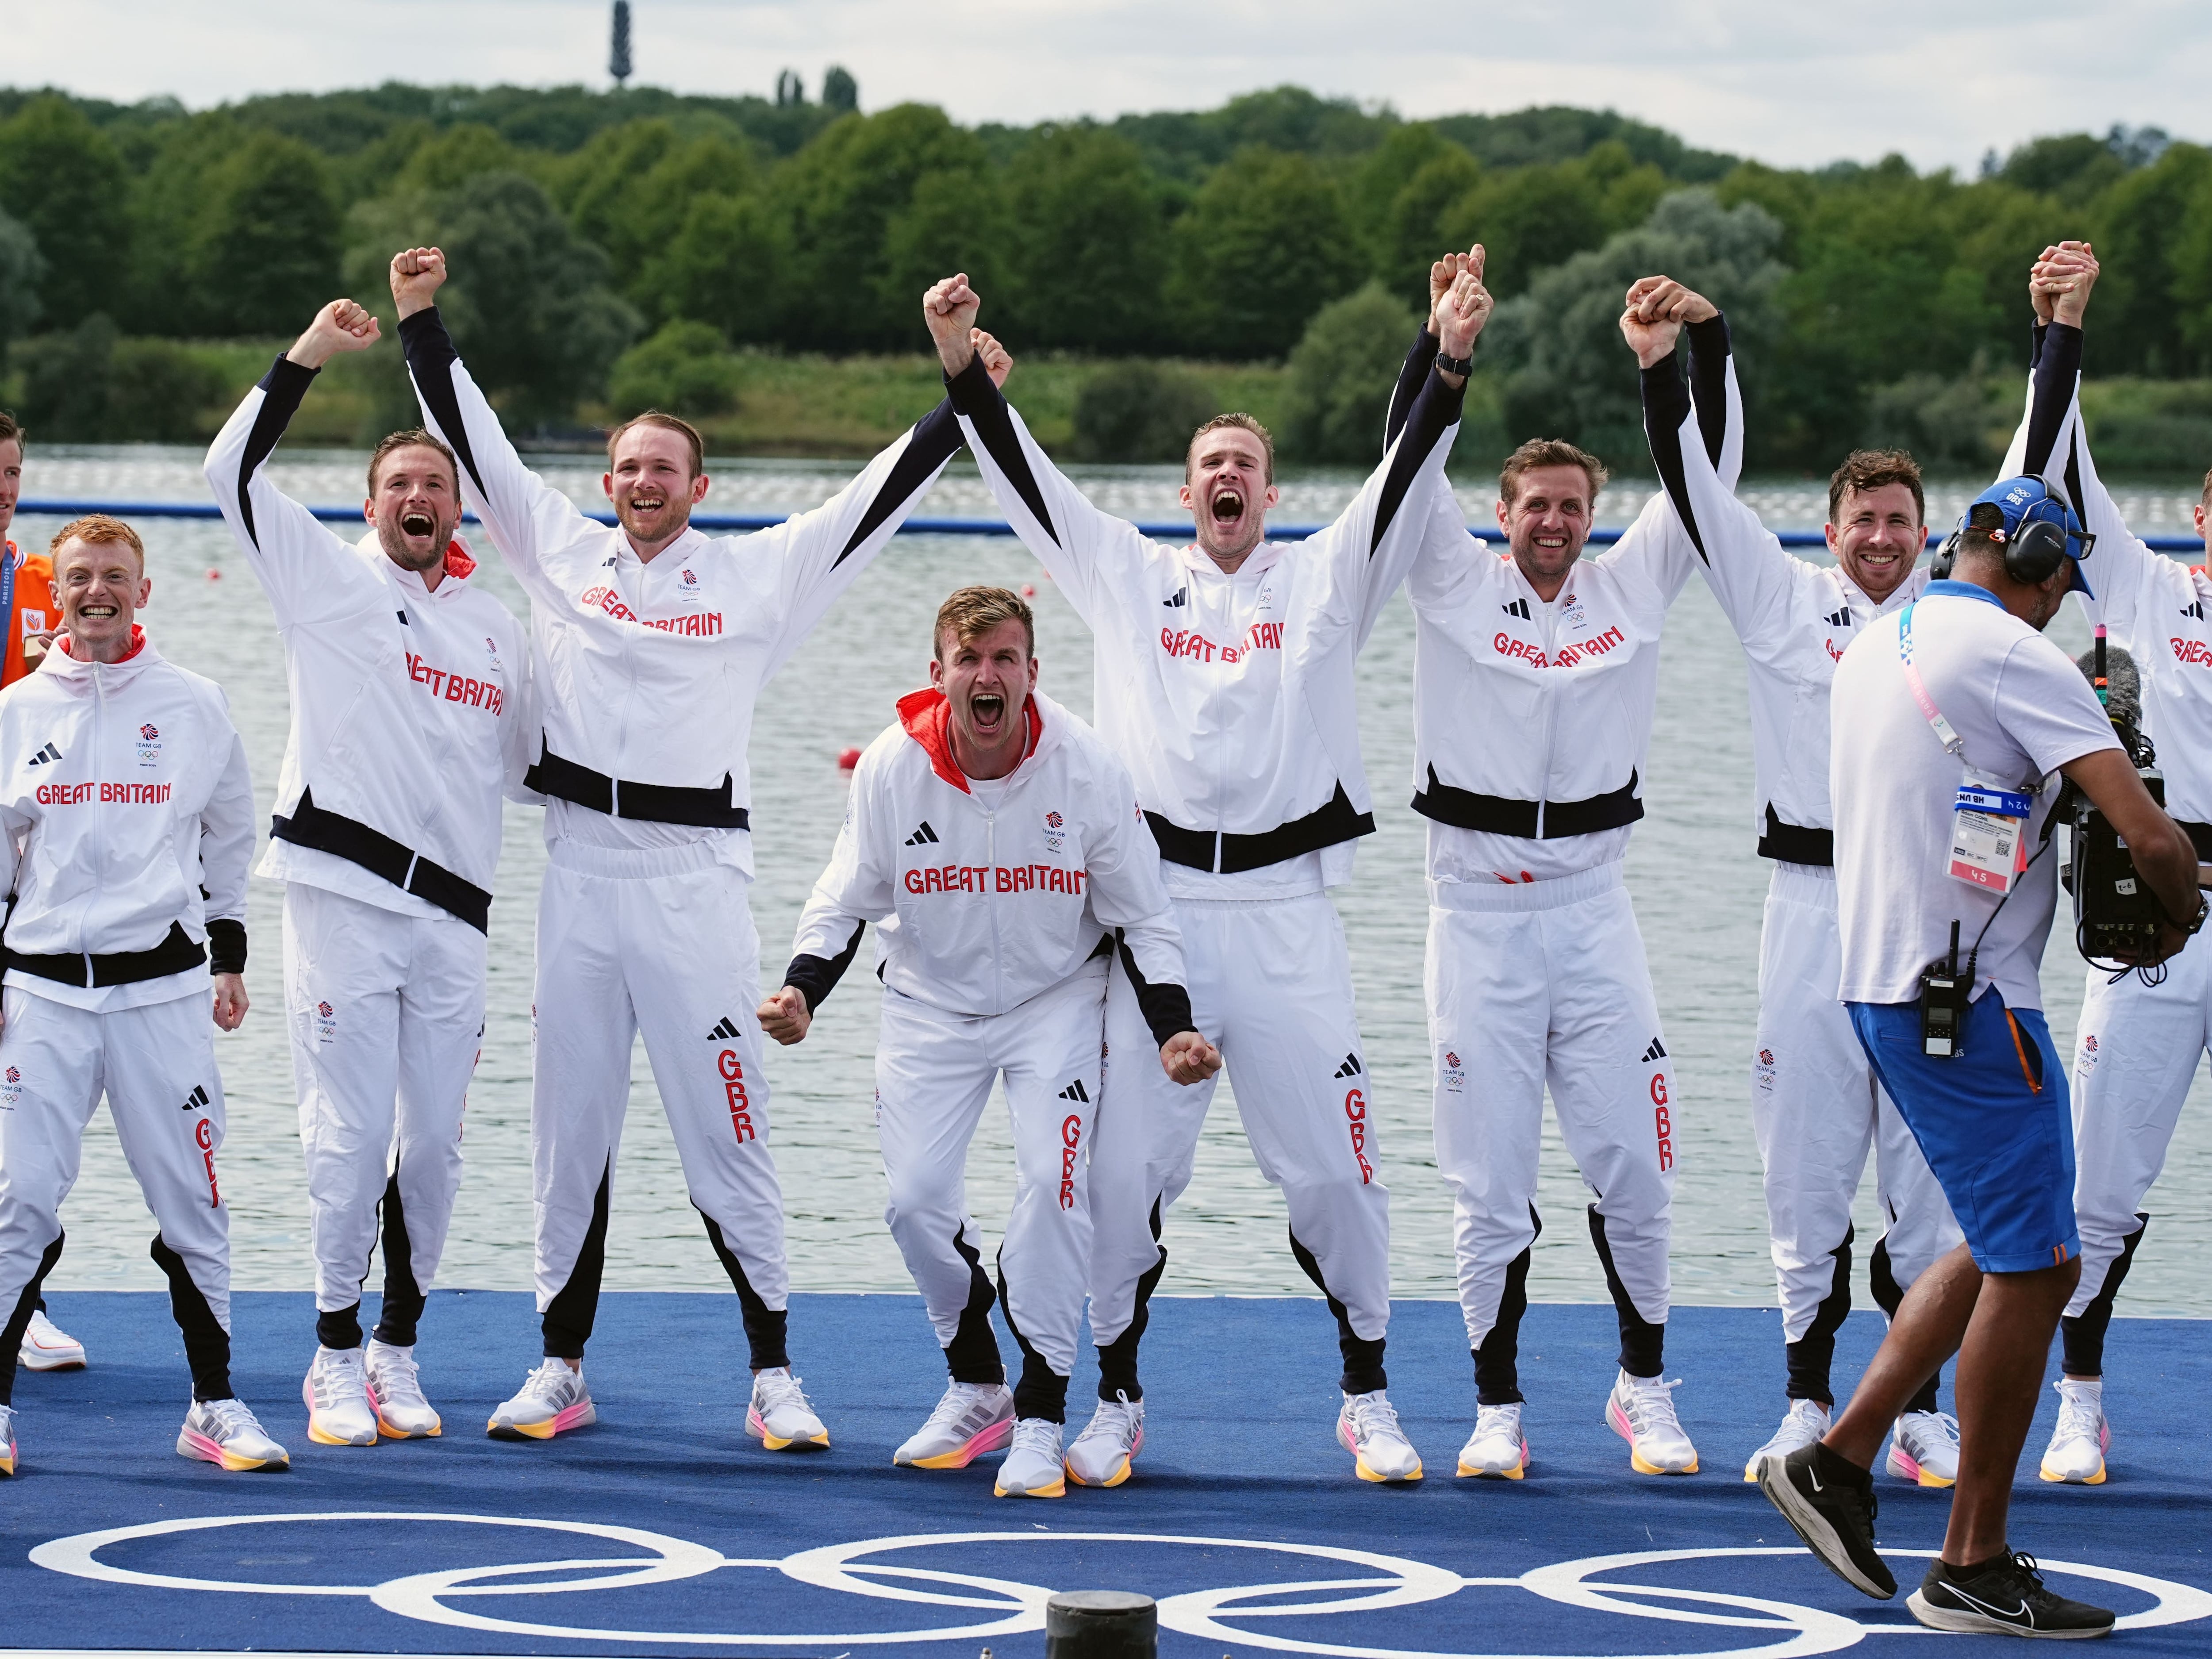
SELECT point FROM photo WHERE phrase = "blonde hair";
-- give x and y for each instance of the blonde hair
(970, 612)
(1242, 422)
(681, 428)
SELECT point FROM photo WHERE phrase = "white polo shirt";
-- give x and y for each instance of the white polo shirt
(2022, 710)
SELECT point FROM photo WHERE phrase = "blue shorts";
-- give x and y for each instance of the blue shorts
(1993, 1123)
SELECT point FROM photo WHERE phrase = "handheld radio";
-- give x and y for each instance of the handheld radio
(1944, 991)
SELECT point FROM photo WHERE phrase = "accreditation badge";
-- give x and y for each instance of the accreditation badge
(1988, 836)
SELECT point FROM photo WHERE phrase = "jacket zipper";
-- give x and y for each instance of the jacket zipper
(99, 809)
(990, 854)
(1549, 691)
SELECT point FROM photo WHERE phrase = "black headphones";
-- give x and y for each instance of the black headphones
(2034, 552)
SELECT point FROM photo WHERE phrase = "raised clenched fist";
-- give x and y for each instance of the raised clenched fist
(998, 362)
(1653, 314)
(2058, 286)
(341, 325)
(1464, 308)
(418, 274)
(949, 308)
(1447, 271)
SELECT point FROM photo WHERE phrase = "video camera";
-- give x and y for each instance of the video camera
(2115, 915)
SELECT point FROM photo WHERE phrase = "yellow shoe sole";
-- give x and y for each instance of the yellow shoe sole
(1636, 1461)
(383, 1427)
(323, 1439)
(1514, 1474)
(1360, 1465)
(1058, 1489)
(520, 1431)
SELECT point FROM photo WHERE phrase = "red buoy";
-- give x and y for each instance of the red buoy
(848, 759)
(1028, 591)
(214, 575)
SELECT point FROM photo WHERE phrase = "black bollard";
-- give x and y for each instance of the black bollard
(1101, 1624)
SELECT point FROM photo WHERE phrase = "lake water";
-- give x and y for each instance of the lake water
(1696, 885)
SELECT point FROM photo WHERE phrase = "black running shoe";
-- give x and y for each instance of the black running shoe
(1830, 1502)
(2004, 1597)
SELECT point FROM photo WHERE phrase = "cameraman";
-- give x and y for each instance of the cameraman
(1960, 715)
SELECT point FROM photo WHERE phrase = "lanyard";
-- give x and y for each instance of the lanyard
(9, 564)
(1944, 735)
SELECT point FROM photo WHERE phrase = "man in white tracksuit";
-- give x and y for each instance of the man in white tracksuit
(1816, 1106)
(126, 823)
(409, 717)
(1536, 674)
(1225, 682)
(1002, 837)
(651, 644)
(2137, 1049)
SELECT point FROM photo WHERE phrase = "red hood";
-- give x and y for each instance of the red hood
(927, 714)
(137, 644)
(457, 562)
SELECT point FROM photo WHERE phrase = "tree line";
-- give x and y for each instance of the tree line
(616, 247)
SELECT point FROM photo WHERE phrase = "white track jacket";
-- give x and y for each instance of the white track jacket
(410, 708)
(2152, 605)
(1231, 699)
(124, 798)
(1531, 722)
(991, 905)
(1794, 617)
(646, 674)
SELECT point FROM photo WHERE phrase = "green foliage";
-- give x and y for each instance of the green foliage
(1341, 375)
(1086, 244)
(725, 266)
(22, 267)
(1139, 412)
(63, 180)
(1264, 246)
(686, 369)
(1961, 422)
(264, 252)
(840, 92)
(88, 384)
(2148, 425)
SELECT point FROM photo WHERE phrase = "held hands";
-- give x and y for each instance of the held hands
(949, 308)
(341, 325)
(785, 1018)
(230, 1001)
(2059, 283)
(1656, 308)
(1188, 1058)
(998, 362)
(1461, 314)
(418, 274)
(1444, 273)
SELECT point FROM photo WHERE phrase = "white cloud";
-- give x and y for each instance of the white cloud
(1793, 84)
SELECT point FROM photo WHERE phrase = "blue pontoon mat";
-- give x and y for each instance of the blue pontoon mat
(666, 1530)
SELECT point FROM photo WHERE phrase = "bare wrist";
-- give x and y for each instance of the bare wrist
(309, 352)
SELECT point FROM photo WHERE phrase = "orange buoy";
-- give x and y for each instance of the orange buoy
(1028, 591)
(848, 759)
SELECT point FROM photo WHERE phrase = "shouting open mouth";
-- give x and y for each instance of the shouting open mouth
(96, 612)
(987, 709)
(1228, 506)
(417, 524)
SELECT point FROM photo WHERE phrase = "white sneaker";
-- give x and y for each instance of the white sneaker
(339, 1411)
(1497, 1447)
(552, 1401)
(1924, 1448)
(1033, 1467)
(225, 1433)
(1102, 1453)
(780, 1417)
(2076, 1452)
(1367, 1427)
(1642, 1412)
(1806, 1421)
(7, 1440)
(395, 1389)
(972, 1418)
(46, 1349)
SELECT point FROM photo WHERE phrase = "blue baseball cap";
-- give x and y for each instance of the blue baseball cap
(2029, 500)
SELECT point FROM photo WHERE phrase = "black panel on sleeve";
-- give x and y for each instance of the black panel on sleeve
(281, 388)
(1435, 409)
(430, 360)
(1666, 407)
(1709, 357)
(1421, 355)
(935, 440)
(975, 395)
(1166, 1008)
(226, 945)
(815, 977)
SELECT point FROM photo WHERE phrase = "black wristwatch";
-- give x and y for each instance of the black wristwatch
(1461, 366)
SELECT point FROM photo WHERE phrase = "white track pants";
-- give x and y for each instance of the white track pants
(1817, 1110)
(1537, 983)
(386, 1014)
(661, 942)
(2134, 1060)
(933, 1076)
(1271, 985)
(156, 1066)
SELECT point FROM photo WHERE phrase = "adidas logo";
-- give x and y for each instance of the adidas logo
(1351, 1066)
(49, 753)
(1181, 597)
(2196, 610)
(924, 836)
(197, 1100)
(725, 1032)
(1518, 608)
(1076, 1092)
(1841, 619)
(404, 622)
(1657, 1051)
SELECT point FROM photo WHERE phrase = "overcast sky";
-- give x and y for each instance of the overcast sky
(1791, 82)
